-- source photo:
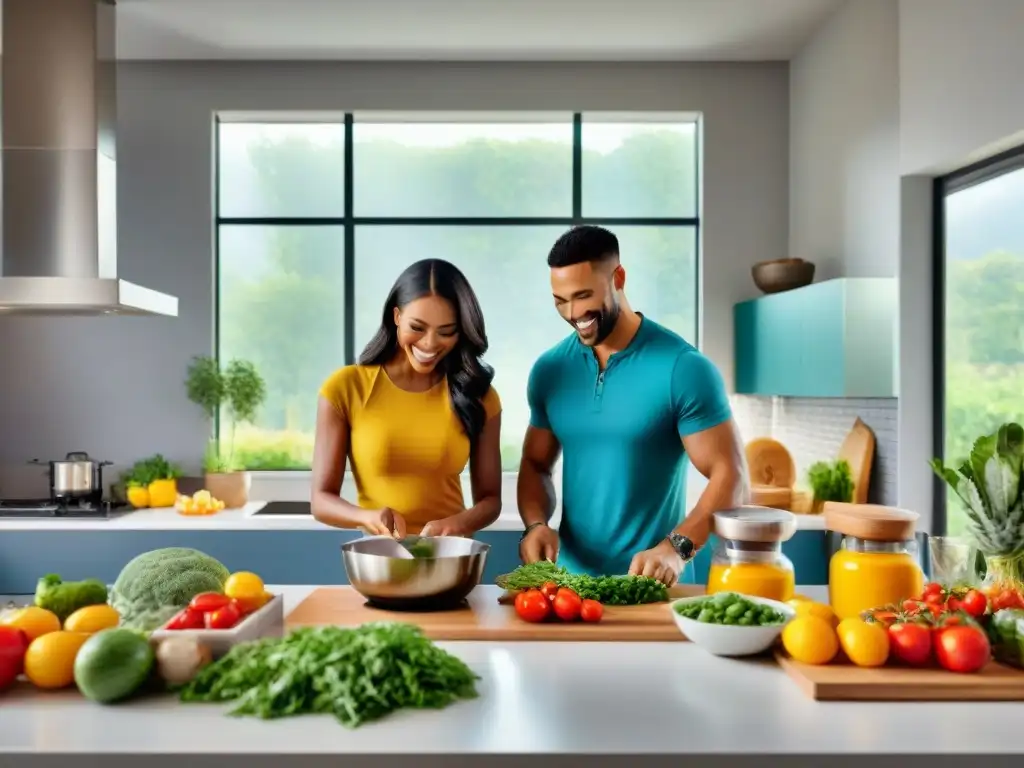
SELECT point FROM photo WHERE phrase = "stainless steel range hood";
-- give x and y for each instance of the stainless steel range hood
(58, 109)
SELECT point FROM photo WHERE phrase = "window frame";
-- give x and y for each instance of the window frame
(293, 484)
(963, 178)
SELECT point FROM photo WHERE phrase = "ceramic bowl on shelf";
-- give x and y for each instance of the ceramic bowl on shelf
(780, 275)
(732, 639)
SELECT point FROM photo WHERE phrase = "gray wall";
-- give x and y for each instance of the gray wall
(113, 386)
(845, 134)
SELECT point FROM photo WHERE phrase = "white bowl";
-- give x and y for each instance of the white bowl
(732, 639)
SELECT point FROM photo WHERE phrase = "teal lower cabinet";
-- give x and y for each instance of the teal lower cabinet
(836, 338)
(281, 557)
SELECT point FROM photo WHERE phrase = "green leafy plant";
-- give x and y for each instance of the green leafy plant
(831, 481)
(238, 389)
(989, 485)
(146, 471)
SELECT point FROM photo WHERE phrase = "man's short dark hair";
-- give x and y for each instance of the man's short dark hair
(584, 243)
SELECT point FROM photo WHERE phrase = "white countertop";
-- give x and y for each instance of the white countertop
(540, 698)
(243, 519)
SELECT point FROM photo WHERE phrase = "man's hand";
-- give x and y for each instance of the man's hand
(660, 562)
(446, 526)
(383, 522)
(541, 543)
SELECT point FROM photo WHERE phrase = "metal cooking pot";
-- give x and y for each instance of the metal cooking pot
(75, 476)
(434, 583)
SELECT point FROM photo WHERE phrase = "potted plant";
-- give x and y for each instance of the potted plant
(152, 482)
(830, 481)
(237, 392)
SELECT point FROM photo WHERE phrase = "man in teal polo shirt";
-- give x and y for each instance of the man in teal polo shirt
(625, 401)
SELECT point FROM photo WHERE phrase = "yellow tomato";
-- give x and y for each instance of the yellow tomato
(33, 621)
(810, 639)
(804, 607)
(138, 496)
(50, 659)
(92, 618)
(866, 645)
(243, 585)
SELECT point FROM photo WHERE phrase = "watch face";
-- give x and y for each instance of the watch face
(682, 544)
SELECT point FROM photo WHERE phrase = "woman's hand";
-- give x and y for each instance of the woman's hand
(447, 526)
(383, 522)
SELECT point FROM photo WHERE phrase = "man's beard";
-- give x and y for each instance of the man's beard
(605, 324)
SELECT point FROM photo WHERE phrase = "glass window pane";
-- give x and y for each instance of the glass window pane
(639, 169)
(281, 170)
(462, 169)
(984, 324)
(507, 268)
(661, 275)
(281, 306)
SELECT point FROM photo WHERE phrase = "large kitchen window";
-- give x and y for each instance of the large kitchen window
(315, 220)
(979, 312)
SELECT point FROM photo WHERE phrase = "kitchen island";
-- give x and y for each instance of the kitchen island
(554, 703)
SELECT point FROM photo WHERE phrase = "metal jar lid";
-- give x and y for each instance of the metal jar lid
(762, 524)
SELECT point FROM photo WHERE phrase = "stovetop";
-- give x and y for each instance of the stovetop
(61, 510)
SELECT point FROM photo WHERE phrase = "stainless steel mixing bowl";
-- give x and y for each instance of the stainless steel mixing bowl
(423, 583)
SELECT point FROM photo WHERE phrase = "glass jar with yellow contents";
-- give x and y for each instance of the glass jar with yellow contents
(877, 562)
(748, 557)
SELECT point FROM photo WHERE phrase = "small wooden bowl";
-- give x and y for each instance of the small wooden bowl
(782, 274)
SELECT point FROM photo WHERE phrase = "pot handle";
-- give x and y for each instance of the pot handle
(77, 456)
(39, 462)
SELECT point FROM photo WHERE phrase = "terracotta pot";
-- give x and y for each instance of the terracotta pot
(230, 487)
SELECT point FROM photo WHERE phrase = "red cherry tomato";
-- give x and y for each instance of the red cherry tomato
(932, 588)
(591, 610)
(208, 602)
(223, 618)
(187, 618)
(567, 605)
(532, 606)
(549, 589)
(911, 643)
(961, 648)
(975, 603)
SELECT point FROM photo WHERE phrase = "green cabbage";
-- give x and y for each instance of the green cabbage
(155, 585)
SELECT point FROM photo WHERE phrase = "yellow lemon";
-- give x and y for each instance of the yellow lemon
(811, 608)
(866, 645)
(50, 659)
(243, 584)
(92, 618)
(810, 639)
(33, 621)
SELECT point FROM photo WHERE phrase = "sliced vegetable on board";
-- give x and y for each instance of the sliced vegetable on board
(608, 590)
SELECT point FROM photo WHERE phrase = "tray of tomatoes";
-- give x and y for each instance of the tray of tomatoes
(244, 611)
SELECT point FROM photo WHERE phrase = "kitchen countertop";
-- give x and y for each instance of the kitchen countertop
(547, 700)
(242, 519)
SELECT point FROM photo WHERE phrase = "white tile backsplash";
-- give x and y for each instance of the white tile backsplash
(814, 428)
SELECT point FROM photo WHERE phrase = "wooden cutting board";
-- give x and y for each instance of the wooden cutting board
(485, 618)
(845, 682)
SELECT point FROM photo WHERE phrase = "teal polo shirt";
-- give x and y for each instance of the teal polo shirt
(623, 462)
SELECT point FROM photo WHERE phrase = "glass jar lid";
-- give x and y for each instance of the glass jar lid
(755, 524)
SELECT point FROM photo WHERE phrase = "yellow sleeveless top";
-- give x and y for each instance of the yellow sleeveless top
(406, 449)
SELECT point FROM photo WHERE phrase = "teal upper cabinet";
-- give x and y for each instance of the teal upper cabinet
(835, 338)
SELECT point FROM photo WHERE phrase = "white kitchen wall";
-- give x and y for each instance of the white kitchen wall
(845, 143)
(961, 90)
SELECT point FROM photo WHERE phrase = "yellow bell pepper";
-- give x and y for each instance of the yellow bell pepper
(138, 496)
(163, 493)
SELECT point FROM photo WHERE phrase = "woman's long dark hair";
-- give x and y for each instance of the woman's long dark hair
(469, 377)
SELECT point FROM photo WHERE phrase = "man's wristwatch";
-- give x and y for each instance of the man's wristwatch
(682, 545)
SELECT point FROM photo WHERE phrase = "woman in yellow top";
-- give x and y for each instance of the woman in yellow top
(411, 414)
